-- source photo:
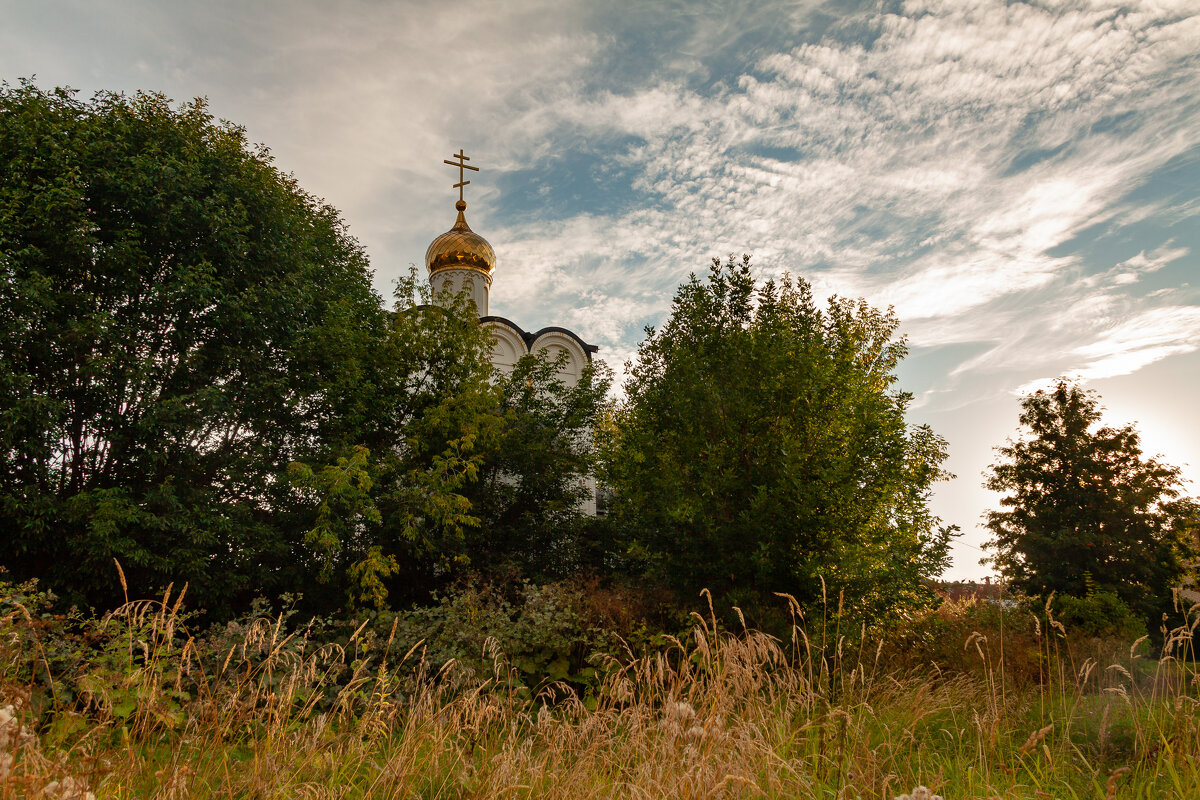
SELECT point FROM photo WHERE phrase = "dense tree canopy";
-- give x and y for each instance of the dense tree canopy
(761, 448)
(1084, 510)
(177, 321)
(536, 479)
(394, 515)
(463, 468)
(197, 380)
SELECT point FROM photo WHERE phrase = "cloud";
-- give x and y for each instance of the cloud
(939, 163)
(1145, 338)
(1138, 267)
(1130, 344)
(938, 157)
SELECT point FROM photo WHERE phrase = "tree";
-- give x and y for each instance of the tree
(178, 322)
(1084, 511)
(760, 448)
(461, 468)
(537, 475)
(394, 513)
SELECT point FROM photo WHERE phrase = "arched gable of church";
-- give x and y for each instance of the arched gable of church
(556, 341)
(508, 343)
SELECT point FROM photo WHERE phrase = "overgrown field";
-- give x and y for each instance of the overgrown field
(973, 701)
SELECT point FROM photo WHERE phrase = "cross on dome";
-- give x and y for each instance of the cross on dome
(462, 165)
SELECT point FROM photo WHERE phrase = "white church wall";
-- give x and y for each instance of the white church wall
(554, 343)
(507, 346)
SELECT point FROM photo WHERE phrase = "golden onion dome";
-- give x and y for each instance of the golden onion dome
(460, 248)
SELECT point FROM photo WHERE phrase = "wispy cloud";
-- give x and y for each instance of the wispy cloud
(1143, 339)
(935, 167)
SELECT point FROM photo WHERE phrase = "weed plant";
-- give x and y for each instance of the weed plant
(974, 701)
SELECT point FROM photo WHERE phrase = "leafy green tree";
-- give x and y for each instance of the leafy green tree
(436, 421)
(536, 477)
(760, 448)
(463, 468)
(178, 322)
(390, 517)
(1084, 511)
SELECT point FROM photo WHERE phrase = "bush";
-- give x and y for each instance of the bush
(542, 633)
(1097, 615)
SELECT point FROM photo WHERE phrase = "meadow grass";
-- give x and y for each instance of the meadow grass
(264, 712)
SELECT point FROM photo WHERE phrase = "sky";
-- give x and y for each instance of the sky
(1020, 181)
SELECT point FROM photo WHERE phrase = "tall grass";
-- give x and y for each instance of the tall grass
(261, 711)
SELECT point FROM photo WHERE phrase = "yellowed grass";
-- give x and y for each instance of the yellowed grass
(716, 715)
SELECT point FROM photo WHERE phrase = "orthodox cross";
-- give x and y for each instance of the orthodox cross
(462, 165)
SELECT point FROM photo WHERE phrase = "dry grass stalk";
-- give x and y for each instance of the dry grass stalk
(717, 715)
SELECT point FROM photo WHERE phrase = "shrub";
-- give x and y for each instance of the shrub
(1098, 615)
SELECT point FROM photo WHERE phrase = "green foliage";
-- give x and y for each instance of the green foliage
(1097, 614)
(197, 379)
(542, 633)
(178, 322)
(761, 447)
(125, 667)
(393, 514)
(345, 505)
(536, 476)
(1085, 512)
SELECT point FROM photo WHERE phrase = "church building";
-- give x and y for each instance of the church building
(462, 260)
